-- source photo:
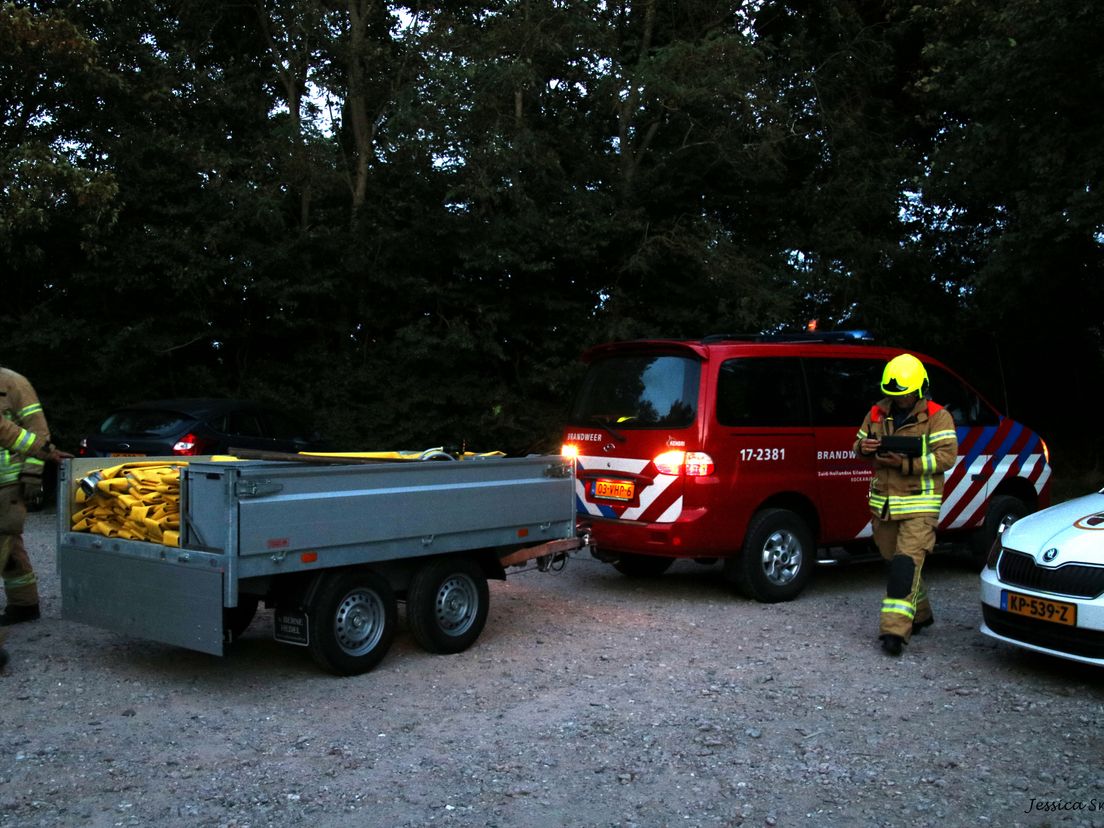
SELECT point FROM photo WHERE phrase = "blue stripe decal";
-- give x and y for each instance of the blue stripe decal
(581, 508)
(975, 452)
(1028, 450)
(1009, 441)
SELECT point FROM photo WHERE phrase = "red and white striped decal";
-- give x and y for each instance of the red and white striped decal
(660, 501)
(986, 457)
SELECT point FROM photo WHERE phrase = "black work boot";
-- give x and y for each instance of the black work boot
(892, 644)
(3, 658)
(17, 615)
(919, 625)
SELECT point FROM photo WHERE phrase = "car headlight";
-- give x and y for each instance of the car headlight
(994, 554)
(995, 549)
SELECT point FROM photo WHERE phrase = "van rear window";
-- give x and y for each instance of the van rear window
(634, 391)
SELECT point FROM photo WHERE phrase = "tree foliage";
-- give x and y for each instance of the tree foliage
(406, 220)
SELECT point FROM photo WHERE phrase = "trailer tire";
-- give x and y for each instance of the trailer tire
(352, 620)
(236, 620)
(777, 558)
(446, 604)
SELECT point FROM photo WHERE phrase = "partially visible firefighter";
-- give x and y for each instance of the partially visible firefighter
(906, 491)
(25, 447)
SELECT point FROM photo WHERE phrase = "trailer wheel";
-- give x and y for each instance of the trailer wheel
(236, 620)
(777, 559)
(446, 605)
(351, 621)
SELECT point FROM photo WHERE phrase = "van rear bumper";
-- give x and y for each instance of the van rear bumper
(688, 537)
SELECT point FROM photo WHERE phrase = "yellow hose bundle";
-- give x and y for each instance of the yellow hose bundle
(136, 501)
(426, 454)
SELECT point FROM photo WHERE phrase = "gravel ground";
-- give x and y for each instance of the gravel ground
(590, 700)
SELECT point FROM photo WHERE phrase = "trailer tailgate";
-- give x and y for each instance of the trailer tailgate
(173, 596)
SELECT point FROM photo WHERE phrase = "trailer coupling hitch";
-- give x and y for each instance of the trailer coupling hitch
(552, 563)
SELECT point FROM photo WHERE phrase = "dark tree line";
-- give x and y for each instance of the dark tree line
(406, 220)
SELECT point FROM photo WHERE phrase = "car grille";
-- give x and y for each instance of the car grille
(1072, 579)
(1072, 640)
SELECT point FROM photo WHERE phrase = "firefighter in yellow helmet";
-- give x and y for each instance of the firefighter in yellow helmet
(24, 448)
(906, 491)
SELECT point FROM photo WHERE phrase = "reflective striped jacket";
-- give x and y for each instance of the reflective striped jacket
(917, 487)
(24, 435)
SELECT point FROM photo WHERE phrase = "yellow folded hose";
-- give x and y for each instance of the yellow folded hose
(135, 501)
(427, 454)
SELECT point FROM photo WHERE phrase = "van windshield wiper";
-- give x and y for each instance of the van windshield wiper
(598, 421)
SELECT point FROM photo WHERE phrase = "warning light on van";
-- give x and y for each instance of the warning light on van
(695, 463)
(569, 451)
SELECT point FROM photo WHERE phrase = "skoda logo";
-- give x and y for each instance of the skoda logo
(1050, 555)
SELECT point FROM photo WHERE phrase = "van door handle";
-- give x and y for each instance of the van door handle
(979, 476)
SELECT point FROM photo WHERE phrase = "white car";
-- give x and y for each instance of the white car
(1043, 585)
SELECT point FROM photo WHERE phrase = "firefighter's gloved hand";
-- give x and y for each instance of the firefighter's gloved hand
(30, 487)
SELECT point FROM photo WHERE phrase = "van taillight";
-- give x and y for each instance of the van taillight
(699, 464)
(695, 463)
(569, 451)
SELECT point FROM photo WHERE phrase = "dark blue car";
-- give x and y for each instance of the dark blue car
(191, 427)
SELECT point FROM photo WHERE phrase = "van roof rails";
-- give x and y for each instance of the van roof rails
(852, 337)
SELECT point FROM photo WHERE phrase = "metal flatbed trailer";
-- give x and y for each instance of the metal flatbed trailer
(331, 547)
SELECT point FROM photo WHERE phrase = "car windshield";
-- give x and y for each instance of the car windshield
(145, 422)
(639, 391)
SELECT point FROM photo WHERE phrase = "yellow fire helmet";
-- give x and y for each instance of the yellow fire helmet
(905, 374)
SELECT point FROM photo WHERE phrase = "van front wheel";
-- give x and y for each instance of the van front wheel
(777, 558)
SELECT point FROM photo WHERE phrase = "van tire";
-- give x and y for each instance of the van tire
(981, 541)
(777, 559)
(642, 566)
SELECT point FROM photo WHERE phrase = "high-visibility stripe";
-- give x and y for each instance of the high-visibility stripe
(28, 410)
(15, 582)
(893, 605)
(900, 505)
(24, 442)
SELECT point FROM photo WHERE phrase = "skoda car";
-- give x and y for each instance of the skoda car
(1043, 585)
(192, 427)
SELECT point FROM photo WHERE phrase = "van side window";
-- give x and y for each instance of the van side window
(762, 392)
(842, 390)
(963, 402)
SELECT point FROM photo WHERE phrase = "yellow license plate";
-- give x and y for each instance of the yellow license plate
(127, 454)
(1057, 611)
(614, 489)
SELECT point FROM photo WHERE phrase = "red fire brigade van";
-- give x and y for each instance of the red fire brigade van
(740, 449)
